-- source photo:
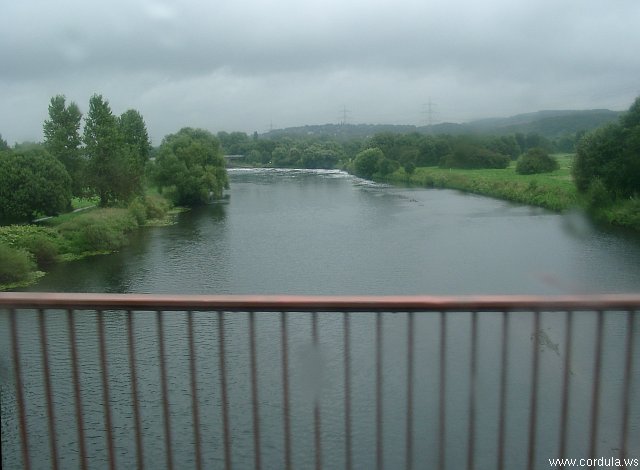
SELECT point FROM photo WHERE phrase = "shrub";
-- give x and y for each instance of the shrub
(15, 264)
(42, 242)
(101, 230)
(536, 160)
(138, 210)
(471, 156)
(156, 206)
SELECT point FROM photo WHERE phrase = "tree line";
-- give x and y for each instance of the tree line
(104, 156)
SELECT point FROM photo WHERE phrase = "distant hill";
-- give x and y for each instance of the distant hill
(550, 124)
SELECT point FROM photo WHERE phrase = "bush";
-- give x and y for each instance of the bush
(138, 210)
(471, 156)
(42, 242)
(156, 206)
(536, 160)
(15, 264)
(101, 230)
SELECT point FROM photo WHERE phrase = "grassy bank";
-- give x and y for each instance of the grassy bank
(27, 251)
(555, 191)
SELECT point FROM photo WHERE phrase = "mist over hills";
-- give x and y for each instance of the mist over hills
(548, 123)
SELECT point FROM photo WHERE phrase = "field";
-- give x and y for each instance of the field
(555, 191)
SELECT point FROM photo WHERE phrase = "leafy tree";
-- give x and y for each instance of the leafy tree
(32, 183)
(62, 138)
(111, 171)
(366, 162)
(137, 149)
(3, 144)
(191, 166)
(611, 156)
(536, 160)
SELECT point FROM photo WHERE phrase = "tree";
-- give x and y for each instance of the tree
(62, 139)
(3, 144)
(610, 156)
(536, 160)
(32, 183)
(137, 149)
(109, 168)
(191, 167)
(366, 162)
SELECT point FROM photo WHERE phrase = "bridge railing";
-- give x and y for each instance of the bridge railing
(123, 381)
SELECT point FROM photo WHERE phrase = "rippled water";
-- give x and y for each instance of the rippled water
(325, 232)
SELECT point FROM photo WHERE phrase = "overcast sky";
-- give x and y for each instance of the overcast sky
(250, 64)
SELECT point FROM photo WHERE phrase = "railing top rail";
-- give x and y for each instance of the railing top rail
(319, 303)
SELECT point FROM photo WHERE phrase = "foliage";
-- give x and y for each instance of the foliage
(611, 154)
(98, 230)
(3, 144)
(32, 183)
(116, 150)
(137, 148)
(536, 160)
(366, 162)
(469, 155)
(15, 264)
(190, 167)
(62, 139)
(43, 243)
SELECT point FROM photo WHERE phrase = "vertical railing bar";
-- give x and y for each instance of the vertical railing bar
(316, 407)
(626, 399)
(137, 422)
(285, 391)
(193, 370)
(22, 417)
(443, 388)
(379, 397)
(347, 390)
(224, 395)
(409, 430)
(566, 384)
(165, 392)
(535, 372)
(51, 419)
(105, 390)
(504, 364)
(257, 459)
(595, 394)
(75, 372)
(472, 391)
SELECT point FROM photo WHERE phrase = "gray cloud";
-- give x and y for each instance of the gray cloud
(239, 65)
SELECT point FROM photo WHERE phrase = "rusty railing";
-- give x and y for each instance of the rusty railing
(153, 381)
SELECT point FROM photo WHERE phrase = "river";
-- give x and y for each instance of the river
(326, 232)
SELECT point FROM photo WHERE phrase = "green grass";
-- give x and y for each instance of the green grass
(72, 236)
(555, 191)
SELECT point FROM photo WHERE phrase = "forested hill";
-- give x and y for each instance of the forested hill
(550, 124)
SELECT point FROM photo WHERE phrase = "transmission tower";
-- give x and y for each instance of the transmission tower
(345, 112)
(428, 111)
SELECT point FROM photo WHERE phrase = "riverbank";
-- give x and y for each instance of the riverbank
(27, 251)
(555, 191)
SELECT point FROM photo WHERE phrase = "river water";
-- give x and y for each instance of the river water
(326, 232)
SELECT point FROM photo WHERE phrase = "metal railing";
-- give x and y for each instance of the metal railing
(145, 381)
